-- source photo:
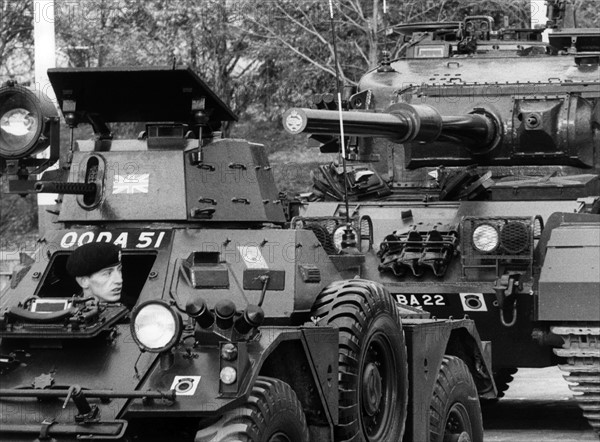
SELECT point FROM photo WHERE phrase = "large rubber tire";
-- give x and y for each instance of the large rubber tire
(373, 370)
(455, 413)
(272, 413)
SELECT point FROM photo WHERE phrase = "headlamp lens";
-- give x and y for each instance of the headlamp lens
(485, 238)
(18, 129)
(228, 375)
(156, 327)
(18, 122)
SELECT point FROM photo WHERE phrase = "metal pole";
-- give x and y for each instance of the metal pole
(340, 114)
(45, 58)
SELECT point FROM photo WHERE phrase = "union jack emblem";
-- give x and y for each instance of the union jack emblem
(133, 183)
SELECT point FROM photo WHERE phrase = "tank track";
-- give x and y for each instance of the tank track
(581, 349)
(502, 378)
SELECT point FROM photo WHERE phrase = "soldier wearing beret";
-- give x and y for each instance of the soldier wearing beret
(96, 267)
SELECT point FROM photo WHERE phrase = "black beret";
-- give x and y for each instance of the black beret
(93, 257)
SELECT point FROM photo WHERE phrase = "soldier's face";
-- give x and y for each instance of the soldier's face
(105, 284)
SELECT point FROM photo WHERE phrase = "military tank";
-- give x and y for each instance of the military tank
(476, 185)
(230, 325)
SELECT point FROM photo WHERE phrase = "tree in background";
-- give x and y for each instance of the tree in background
(16, 39)
(18, 216)
(205, 35)
(587, 13)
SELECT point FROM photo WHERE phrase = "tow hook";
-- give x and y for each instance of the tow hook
(507, 288)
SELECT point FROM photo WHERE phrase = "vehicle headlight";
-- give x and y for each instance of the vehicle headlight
(485, 238)
(23, 122)
(228, 375)
(338, 236)
(155, 326)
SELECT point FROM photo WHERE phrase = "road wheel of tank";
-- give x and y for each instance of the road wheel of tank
(455, 413)
(373, 370)
(272, 413)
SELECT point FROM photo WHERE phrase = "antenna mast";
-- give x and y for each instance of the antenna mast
(339, 100)
(348, 237)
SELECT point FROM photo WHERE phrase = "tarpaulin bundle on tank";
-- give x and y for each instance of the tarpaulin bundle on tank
(362, 181)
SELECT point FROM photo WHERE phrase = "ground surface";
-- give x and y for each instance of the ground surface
(537, 408)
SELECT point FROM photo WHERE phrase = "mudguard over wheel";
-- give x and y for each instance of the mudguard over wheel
(272, 413)
(455, 413)
(373, 370)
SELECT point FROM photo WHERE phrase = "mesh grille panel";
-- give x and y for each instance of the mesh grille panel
(514, 237)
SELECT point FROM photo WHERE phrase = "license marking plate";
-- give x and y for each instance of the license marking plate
(420, 300)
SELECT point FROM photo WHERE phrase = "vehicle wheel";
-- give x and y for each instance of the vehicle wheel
(455, 413)
(272, 413)
(373, 370)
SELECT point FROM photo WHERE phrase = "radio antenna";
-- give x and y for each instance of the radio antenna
(348, 238)
(385, 25)
(339, 100)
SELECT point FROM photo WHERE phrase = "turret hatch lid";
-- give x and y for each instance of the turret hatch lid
(132, 94)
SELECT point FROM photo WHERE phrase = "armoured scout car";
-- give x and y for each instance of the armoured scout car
(231, 325)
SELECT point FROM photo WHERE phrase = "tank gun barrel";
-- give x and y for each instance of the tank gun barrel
(65, 188)
(401, 123)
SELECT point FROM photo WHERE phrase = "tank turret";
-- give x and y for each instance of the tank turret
(464, 93)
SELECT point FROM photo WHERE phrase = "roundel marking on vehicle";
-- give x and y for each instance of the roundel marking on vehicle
(185, 385)
(294, 122)
(253, 258)
(473, 302)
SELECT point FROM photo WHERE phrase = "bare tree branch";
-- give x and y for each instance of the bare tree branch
(360, 50)
(312, 31)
